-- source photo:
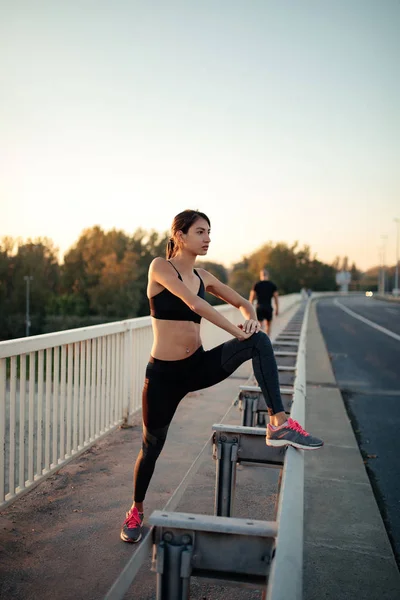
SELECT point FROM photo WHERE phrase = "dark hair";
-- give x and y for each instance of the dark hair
(183, 222)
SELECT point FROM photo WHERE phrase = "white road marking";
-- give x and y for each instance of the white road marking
(392, 311)
(367, 321)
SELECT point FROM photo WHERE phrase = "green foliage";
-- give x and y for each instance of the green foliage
(108, 271)
(242, 280)
(65, 305)
(290, 267)
(104, 278)
(369, 280)
(216, 269)
(36, 259)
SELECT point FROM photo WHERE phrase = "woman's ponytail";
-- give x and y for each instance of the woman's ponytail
(170, 248)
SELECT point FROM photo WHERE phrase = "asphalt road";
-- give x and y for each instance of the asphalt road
(365, 356)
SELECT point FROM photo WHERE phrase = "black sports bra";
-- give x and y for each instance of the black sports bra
(167, 306)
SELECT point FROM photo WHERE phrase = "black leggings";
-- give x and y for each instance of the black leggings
(167, 382)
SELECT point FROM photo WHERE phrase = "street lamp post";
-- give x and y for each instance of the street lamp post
(380, 269)
(28, 279)
(396, 275)
(384, 238)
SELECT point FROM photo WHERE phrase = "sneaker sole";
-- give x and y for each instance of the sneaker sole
(129, 541)
(279, 443)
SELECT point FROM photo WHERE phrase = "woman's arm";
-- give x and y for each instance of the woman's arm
(162, 273)
(226, 293)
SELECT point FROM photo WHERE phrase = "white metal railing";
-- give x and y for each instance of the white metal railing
(58, 394)
(61, 392)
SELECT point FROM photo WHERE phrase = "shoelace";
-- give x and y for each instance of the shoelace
(297, 427)
(133, 519)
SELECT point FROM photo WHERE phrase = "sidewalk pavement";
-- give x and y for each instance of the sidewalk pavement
(62, 539)
(387, 298)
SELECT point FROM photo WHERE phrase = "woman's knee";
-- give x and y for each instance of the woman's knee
(261, 339)
(262, 345)
(151, 452)
(153, 442)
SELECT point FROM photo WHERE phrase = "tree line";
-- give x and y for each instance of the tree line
(104, 277)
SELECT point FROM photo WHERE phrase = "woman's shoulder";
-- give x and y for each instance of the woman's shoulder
(202, 272)
(158, 263)
(158, 267)
(206, 276)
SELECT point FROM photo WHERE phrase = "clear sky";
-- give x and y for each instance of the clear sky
(279, 119)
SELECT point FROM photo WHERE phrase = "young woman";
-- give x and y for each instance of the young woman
(178, 362)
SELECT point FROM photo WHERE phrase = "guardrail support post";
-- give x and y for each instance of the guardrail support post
(225, 453)
(261, 420)
(173, 566)
(249, 407)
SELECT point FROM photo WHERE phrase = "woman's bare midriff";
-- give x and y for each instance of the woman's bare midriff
(175, 340)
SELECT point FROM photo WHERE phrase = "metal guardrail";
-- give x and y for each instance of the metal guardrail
(286, 576)
(217, 548)
(233, 445)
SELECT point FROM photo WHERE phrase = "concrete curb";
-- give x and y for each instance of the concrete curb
(387, 298)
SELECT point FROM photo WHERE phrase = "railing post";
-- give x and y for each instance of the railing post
(173, 566)
(3, 427)
(225, 453)
(261, 419)
(249, 407)
(128, 368)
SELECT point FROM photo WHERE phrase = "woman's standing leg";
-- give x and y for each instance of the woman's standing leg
(160, 399)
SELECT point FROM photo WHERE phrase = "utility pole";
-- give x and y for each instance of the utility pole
(380, 270)
(396, 276)
(384, 238)
(28, 279)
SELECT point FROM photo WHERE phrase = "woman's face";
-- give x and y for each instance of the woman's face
(197, 239)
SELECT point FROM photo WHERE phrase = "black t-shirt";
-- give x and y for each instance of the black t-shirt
(264, 291)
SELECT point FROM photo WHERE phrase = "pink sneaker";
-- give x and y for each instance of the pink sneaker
(292, 434)
(132, 528)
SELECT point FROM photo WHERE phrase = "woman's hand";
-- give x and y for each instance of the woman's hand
(247, 329)
(250, 326)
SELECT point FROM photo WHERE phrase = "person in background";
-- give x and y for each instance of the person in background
(263, 291)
